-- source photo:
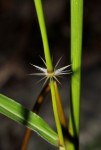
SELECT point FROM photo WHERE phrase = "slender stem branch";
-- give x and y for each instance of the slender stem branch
(40, 15)
(60, 107)
(26, 139)
(49, 65)
(55, 108)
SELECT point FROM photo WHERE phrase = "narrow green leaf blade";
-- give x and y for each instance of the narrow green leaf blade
(17, 112)
(76, 52)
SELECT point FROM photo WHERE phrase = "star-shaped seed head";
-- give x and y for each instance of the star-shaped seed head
(51, 74)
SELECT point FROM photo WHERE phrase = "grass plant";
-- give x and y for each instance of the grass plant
(17, 112)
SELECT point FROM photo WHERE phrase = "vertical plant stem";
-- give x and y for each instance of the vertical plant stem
(60, 107)
(40, 15)
(62, 116)
(57, 120)
(76, 46)
(24, 145)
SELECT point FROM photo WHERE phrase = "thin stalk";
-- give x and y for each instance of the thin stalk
(39, 10)
(24, 145)
(76, 49)
(40, 15)
(62, 117)
(60, 107)
(57, 120)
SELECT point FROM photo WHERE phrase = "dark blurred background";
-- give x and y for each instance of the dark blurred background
(20, 44)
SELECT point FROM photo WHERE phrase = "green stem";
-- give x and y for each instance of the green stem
(57, 120)
(40, 15)
(76, 46)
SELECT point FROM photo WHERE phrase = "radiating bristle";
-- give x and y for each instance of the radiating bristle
(39, 68)
(41, 79)
(57, 62)
(43, 61)
(45, 81)
(56, 79)
(57, 72)
(37, 74)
